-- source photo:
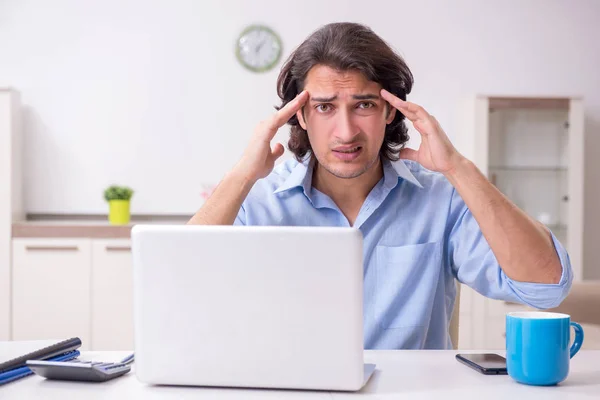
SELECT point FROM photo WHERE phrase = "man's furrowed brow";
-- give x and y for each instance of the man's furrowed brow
(324, 99)
(367, 96)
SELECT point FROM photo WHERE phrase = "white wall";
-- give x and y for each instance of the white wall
(148, 93)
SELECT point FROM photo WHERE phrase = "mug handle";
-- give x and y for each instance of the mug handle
(578, 338)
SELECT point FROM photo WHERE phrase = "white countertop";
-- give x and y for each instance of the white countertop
(424, 374)
(86, 227)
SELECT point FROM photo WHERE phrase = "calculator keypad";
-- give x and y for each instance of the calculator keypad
(98, 364)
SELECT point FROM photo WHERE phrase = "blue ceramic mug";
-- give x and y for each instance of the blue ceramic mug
(537, 346)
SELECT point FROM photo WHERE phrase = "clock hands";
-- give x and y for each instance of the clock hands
(260, 45)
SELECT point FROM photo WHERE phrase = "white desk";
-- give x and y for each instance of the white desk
(400, 374)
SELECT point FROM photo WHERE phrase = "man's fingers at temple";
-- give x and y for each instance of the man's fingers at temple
(282, 116)
(412, 111)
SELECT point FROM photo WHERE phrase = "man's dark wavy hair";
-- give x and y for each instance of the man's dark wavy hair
(347, 47)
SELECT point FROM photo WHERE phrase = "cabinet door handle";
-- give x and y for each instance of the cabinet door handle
(51, 248)
(118, 248)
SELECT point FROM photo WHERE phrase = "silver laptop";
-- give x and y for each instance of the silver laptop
(262, 307)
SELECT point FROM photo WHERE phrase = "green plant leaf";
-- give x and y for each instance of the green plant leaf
(116, 192)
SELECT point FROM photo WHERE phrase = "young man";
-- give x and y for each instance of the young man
(426, 220)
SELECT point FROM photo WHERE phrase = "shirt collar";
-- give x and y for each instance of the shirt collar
(301, 176)
(397, 170)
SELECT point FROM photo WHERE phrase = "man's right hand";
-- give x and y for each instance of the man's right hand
(222, 207)
(259, 159)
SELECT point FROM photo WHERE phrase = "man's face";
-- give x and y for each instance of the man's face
(345, 117)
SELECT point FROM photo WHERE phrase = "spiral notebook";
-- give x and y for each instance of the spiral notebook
(22, 372)
(14, 367)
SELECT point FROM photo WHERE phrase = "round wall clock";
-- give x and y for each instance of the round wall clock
(258, 48)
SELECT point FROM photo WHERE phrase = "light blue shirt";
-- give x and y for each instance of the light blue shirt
(418, 237)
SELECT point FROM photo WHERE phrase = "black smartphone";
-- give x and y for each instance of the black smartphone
(487, 364)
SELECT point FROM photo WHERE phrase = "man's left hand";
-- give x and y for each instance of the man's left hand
(436, 152)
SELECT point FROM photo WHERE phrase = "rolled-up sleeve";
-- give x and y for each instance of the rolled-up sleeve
(473, 263)
(240, 218)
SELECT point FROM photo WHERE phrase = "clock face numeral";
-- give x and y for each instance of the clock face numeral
(258, 48)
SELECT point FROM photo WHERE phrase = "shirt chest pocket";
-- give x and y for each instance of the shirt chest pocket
(407, 278)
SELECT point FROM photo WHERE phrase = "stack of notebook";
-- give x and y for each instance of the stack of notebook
(16, 368)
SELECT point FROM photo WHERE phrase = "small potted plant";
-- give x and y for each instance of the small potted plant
(118, 198)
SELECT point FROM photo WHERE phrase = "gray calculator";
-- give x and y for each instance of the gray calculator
(77, 370)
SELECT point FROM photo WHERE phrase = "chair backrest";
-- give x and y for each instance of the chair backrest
(453, 328)
(582, 303)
